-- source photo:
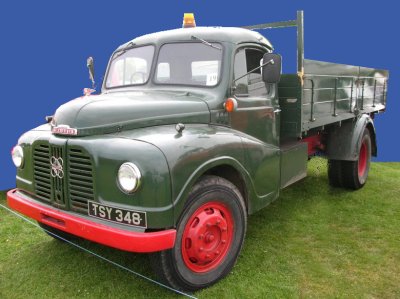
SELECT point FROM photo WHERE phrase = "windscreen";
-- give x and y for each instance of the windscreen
(130, 67)
(189, 64)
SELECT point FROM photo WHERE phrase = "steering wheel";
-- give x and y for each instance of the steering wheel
(138, 77)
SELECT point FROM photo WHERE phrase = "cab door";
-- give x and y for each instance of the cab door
(258, 105)
(257, 115)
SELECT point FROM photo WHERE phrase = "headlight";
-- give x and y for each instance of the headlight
(17, 155)
(129, 177)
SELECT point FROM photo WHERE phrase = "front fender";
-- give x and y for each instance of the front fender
(182, 196)
(344, 141)
(191, 153)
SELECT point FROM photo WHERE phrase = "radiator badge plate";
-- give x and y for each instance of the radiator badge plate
(64, 130)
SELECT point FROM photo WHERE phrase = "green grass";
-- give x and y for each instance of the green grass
(314, 242)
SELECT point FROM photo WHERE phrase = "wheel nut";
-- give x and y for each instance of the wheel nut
(201, 236)
(223, 241)
(207, 256)
(209, 238)
(201, 249)
(218, 222)
(208, 224)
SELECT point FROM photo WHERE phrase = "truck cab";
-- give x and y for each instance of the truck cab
(194, 129)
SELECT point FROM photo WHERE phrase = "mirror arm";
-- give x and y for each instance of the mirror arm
(271, 61)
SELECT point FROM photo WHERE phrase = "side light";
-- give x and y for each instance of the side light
(230, 105)
(188, 20)
(17, 155)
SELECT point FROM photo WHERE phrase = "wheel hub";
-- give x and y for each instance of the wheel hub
(362, 160)
(207, 237)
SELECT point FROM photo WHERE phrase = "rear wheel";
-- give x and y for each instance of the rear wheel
(210, 235)
(355, 173)
(335, 173)
(352, 174)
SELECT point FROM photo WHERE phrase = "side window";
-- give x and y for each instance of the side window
(247, 59)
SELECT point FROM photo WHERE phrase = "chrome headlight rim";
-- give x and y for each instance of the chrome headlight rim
(136, 174)
(17, 156)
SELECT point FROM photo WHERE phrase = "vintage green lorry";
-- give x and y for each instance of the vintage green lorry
(194, 129)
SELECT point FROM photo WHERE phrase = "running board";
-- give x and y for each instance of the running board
(294, 157)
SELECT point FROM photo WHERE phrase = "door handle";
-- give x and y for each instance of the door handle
(277, 110)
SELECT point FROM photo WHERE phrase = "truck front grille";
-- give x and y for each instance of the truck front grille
(80, 182)
(41, 170)
(71, 187)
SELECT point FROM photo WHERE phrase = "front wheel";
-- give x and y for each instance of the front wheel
(210, 235)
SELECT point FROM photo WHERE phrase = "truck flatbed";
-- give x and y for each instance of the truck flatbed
(327, 93)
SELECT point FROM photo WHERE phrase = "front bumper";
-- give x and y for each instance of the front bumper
(90, 230)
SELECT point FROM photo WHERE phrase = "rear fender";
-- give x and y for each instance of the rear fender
(344, 141)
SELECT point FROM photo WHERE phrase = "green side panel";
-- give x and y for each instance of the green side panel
(256, 118)
(293, 163)
(373, 84)
(336, 92)
(289, 90)
(329, 93)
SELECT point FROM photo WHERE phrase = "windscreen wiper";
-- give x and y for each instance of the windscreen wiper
(126, 48)
(206, 43)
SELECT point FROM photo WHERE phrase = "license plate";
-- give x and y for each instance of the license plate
(117, 215)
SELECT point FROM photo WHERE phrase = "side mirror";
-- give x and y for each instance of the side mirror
(272, 68)
(90, 66)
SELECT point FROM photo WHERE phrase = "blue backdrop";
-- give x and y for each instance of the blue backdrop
(44, 46)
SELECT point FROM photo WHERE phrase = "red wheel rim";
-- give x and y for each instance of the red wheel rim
(362, 160)
(207, 237)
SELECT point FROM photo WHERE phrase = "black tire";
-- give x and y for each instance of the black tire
(335, 173)
(57, 234)
(355, 173)
(210, 236)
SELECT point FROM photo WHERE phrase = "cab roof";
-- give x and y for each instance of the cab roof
(211, 34)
